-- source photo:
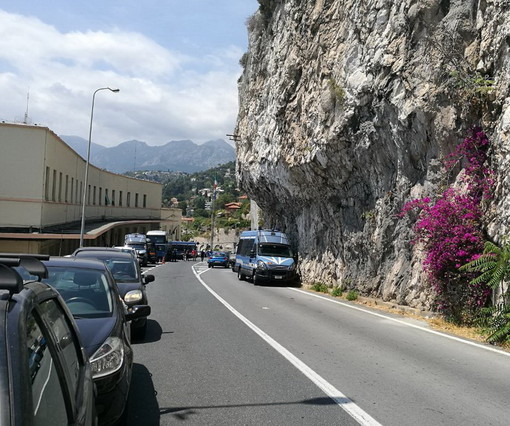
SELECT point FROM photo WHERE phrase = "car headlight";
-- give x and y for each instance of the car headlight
(132, 297)
(108, 358)
(261, 265)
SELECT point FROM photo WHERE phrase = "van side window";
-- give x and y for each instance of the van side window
(66, 340)
(246, 246)
(48, 403)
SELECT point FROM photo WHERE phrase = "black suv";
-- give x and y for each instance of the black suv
(45, 375)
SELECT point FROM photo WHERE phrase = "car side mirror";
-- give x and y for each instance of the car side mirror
(138, 311)
(148, 278)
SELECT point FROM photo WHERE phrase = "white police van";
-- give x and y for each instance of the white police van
(265, 256)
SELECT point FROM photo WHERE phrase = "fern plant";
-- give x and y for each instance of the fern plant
(494, 322)
(493, 265)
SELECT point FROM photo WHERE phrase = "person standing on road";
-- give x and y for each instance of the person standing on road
(202, 255)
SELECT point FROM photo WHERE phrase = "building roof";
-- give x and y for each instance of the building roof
(233, 206)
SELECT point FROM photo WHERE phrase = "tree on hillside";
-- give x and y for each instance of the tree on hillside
(183, 205)
(223, 199)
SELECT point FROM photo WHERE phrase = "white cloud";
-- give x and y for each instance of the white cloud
(164, 95)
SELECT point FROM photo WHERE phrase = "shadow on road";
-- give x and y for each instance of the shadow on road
(142, 406)
(153, 333)
(184, 413)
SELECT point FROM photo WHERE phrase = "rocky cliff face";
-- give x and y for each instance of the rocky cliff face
(347, 107)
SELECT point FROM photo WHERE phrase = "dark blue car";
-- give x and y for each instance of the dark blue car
(90, 292)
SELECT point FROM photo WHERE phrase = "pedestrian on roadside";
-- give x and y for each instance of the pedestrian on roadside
(202, 255)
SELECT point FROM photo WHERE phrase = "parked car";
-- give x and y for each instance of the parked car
(128, 276)
(45, 374)
(218, 258)
(90, 292)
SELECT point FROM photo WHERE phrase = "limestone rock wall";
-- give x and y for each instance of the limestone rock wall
(346, 108)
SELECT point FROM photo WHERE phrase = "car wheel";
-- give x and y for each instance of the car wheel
(240, 275)
(255, 279)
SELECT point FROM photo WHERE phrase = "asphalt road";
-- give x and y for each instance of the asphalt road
(225, 352)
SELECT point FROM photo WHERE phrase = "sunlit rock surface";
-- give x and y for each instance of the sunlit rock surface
(346, 108)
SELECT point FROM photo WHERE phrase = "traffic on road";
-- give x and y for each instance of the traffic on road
(223, 351)
(217, 350)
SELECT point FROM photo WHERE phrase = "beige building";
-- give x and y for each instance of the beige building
(41, 196)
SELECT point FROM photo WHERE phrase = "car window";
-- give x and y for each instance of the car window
(48, 401)
(85, 291)
(122, 270)
(66, 340)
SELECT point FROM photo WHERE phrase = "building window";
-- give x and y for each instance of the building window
(72, 190)
(100, 201)
(89, 195)
(66, 189)
(144, 200)
(106, 199)
(128, 200)
(60, 187)
(54, 186)
(47, 185)
(136, 199)
(120, 198)
(113, 197)
(94, 196)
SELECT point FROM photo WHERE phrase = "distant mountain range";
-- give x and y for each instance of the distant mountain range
(178, 156)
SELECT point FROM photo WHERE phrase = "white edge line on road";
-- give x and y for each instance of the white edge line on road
(428, 330)
(338, 397)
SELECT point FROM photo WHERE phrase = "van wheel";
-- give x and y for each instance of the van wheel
(240, 275)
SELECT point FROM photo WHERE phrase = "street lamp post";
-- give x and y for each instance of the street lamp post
(85, 182)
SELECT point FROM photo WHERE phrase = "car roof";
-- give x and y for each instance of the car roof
(104, 254)
(76, 262)
(115, 249)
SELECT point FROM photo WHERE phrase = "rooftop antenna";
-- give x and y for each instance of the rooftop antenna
(25, 120)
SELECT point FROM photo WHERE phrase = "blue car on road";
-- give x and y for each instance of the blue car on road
(218, 258)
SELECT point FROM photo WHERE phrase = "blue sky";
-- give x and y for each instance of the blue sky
(176, 63)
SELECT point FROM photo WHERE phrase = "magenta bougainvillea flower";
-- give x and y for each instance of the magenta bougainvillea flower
(450, 229)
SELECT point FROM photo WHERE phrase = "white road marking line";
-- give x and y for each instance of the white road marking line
(340, 399)
(428, 330)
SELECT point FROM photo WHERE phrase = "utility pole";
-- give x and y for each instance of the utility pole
(212, 213)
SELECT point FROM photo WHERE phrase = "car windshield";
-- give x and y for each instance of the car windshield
(140, 246)
(85, 291)
(218, 254)
(274, 250)
(122, 270)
